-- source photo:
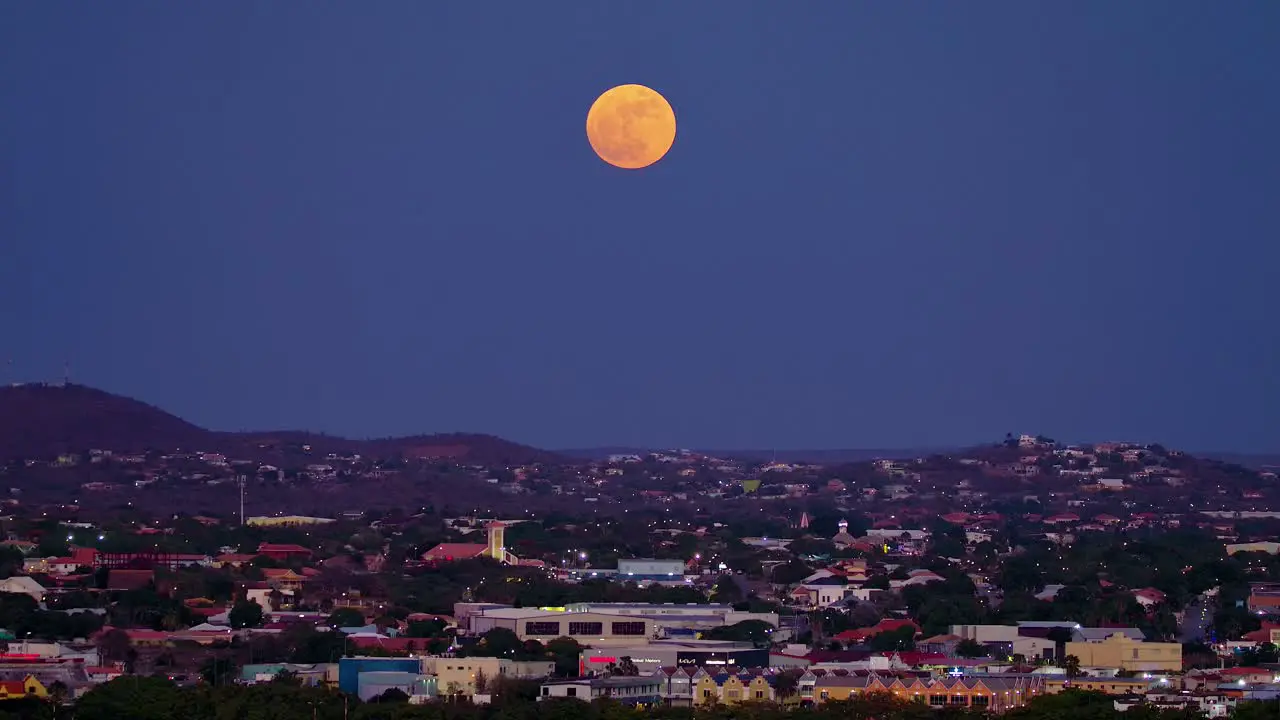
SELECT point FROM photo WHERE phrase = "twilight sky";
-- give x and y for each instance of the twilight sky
(881, 224)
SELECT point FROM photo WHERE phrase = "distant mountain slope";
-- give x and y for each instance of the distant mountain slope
(830, 457)
(821, 457)
(40, 421)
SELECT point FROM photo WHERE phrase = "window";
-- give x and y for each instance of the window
(585, 628)
(546, 691)
(959, 700)
(571, 692)
(825, 695)
(542, 628)
(706, 693)
(937, 699)
(759, 694)
(628, 628)
(981, 701)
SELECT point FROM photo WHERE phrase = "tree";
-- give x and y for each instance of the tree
(136, 698)
(346, 617)
(498, 642)
(115, 646)
(218, 671)
(787, 682)
(392, 695)
(970, 648)
(752, 631)
(903, 638)
(726, 590)
(566, 652)
(245, 614)
(1071, 664)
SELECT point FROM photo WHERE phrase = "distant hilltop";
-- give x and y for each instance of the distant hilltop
(45, 420)
(39, 420)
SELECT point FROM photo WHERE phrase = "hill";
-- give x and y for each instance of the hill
(44, 421)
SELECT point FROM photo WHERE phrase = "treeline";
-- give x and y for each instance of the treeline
(139, 698)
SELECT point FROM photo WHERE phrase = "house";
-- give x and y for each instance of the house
(51, 565)
(27, 687)
(886, 625)
(1148, 597)
(284, 552)
(992, 693)
(449, 552)
(234, 560)
(677, 683)
(283, 578)
(729, 688)
(23, 585)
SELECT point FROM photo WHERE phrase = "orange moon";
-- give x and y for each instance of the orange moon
(631, 126)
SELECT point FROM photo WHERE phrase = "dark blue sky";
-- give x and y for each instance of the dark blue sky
(881, 224)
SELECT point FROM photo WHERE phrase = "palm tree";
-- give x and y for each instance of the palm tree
(1071, 664)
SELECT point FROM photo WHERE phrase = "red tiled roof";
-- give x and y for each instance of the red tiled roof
(283, 548)
(454, 551)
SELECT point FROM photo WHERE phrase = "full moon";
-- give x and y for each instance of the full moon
(631, 126)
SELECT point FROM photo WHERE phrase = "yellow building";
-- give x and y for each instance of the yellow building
(728, 689)
(29, 687)
(1108, 685)
(1124, 653)
(991, 693)
(285, 520)
(462, 676)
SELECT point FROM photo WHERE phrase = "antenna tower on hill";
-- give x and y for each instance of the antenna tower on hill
(240, 482)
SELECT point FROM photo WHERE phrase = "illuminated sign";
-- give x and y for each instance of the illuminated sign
(603, 659)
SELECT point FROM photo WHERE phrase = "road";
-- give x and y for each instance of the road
(1196, 619)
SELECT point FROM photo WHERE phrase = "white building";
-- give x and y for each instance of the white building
(23, 585)
(588, 628)
(629, 690)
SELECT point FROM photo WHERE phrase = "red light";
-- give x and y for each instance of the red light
(603, 659)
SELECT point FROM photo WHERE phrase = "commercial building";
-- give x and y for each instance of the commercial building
(638, 569)
(320, 674)
(665, 653)
(417, 686)
(468, 676)
(1122, 652)
(351, 668)
(588, 628)
(669, 617)
(628, 690)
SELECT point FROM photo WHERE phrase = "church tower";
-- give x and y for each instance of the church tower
(497, 549)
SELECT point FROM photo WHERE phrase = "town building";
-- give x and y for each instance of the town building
(627, 690)
(595, 629)
(1123, 652)
(471, 675)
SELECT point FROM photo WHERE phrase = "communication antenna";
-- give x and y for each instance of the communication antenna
(66, 373)
(240, 481)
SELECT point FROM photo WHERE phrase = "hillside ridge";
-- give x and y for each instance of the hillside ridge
(42, 420)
